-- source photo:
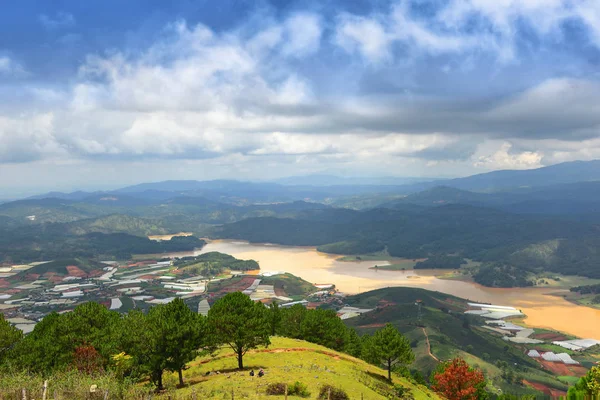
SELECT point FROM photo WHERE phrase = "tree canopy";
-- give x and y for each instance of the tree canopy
(388, 347)
(240, 323)
(456, 380)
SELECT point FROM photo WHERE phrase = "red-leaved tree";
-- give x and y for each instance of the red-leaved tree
(456, 380)
(87, 359)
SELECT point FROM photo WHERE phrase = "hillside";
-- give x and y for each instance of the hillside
(288, 361)
(443, 332)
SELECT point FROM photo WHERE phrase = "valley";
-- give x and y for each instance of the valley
(544, 307)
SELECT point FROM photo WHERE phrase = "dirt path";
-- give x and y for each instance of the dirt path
(429, 346)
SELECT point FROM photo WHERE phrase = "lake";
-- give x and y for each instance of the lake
(542, 310)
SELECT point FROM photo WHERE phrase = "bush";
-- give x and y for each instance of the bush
(298, 389)
(336, 393)
(276, 388)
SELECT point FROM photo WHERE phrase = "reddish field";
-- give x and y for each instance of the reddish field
(554, 393)
(4, 283)
(549, 336)
(31, 277)
(372, 326)
(53, 277)
(558, 368)
(76, 271)
(385, 303)
(243, 284)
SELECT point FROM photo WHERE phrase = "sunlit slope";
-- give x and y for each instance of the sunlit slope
(287, 361)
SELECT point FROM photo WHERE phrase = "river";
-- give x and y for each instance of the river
(542, 310)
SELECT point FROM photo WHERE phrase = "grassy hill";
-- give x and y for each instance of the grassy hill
(287, 361)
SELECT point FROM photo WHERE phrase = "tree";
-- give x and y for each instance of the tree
(588, 386)
(53, 341)
(240, 323)
(87, 360)
(181, 332)
(274, 318)
(291, 321)
(388, 347)
(456, 380)
(324, 327)
(9, 336)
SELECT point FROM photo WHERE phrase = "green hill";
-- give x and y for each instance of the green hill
(287, 361)
(443, 332)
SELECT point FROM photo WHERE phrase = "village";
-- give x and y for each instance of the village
(26, 296)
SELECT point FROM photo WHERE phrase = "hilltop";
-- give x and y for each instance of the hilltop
(288, 361)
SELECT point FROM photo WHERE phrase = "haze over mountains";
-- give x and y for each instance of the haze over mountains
(514, 222)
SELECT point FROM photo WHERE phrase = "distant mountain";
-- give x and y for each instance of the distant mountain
(570, 172)
(332, 180)
(441, 195)
(78, 195)
(562, 199)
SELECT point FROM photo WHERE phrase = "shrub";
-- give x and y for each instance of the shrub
(298, 389)
(276, 388)
(336, 393)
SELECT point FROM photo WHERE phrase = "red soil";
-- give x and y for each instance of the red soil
(74, 270)
(554, 393)
(558, 368)
(549, 336)
(4, 283)
(372, 326)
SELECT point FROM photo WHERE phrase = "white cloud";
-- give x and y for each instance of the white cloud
(60, 20)
(503, 158)
(28, 137)
(11, 68)
(303, 34)
(367, 36)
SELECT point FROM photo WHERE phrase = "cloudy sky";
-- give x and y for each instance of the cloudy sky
(96, 94)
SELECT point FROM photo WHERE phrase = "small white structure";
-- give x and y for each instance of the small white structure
(115, 303)
(293, 303)
(492, 311)
(577, 344)
(203, 307)
(534, 354)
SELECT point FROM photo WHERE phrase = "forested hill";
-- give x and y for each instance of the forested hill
(472, 232)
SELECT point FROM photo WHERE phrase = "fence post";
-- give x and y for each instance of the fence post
(286, 391)
(24, 393)
(106, 395)
(232, 396)
(194, 394)
(329, 394)
(45, 390)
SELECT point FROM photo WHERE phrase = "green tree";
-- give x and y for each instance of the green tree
(53, 341)
(291, 321)
(324, 327)
(182, 332)
(240, 323)
(353, 343)
(139, 336)
(388, 347)
(274, 318)
(588, 386)
(9, 336)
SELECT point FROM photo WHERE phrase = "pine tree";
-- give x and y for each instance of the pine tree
(239, 323)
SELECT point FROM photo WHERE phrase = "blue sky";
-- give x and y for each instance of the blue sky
(105, 93)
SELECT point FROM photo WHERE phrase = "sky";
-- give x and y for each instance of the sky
(100, 94)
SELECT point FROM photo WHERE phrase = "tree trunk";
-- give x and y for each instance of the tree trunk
(159, 375)
(240, 360)
(389, 370)
(180, 377)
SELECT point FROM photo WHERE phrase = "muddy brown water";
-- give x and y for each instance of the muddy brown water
(542, 309)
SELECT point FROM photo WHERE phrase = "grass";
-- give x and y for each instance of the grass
(287, 361)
